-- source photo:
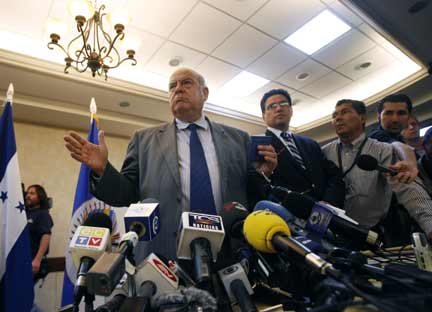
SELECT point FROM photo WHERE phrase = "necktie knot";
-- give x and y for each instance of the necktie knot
(192, 127)
(286, 136)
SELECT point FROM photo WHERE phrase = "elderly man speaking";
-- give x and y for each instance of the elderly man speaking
(191, 163)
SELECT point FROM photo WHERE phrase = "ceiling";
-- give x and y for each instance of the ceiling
(218, 38)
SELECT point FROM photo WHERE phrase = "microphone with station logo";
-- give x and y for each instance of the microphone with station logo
(86, 246)
(200, 239)
(143, 222)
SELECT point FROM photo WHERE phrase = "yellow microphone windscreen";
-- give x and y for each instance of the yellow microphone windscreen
(260, 227)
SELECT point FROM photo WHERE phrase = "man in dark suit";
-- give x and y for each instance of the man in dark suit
(188, 164)
(302, 166)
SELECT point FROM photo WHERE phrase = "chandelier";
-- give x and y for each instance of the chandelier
(96, 49)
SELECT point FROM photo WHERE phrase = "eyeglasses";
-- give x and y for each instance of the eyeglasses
(273, 106)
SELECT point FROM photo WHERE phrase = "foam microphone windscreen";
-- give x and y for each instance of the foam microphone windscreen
(367, 162)
(99, 219)
(260, 227)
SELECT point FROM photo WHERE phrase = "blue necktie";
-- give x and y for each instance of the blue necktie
(293, 149)
(201, 194)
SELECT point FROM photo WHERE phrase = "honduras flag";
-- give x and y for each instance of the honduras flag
(84, 205)
(16, 285)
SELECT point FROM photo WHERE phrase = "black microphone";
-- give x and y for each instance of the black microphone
(305, 207)
(370, 163)
(113, 305)
(238, 287)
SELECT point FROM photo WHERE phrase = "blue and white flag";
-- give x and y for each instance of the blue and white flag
(84, 205)
(16, 285)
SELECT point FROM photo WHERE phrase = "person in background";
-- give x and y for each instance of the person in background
(302, 166)
(40, 224)
(369, 193)
(393, 114)
(425, 162)
(411, 136)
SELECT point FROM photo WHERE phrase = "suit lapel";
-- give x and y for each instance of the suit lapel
(167, 139)
(219, 137)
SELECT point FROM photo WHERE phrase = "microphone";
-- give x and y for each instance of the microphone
(233, 215)
(238, 287)
(87, 245)
(275, 208)
(143, 223)
(370, 163)
(313, 242)
(321, 217)
(269, 233)
(200, 240)
(155, 270)
(143, 219)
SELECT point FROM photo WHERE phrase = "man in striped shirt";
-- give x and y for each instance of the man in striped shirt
(369, 193)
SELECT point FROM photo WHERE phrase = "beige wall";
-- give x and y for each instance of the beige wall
(44, 160)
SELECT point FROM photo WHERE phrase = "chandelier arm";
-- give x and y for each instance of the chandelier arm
(113, 42)
(86, 35)
(111, 59)
(50, 44)
(134, 62)
(104, 33)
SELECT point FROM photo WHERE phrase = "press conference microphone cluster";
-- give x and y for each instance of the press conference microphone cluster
(269, 233)
(321, 217)
(370, 163)
(142, 221)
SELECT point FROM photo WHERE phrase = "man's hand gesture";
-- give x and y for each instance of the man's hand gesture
(93, 155)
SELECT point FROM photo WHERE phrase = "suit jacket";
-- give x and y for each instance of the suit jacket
(151, 169)
(321, 179)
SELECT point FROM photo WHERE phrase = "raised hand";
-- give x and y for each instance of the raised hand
(95, 156)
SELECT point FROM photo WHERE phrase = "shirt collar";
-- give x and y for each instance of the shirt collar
(278, 132)
(200, 122)
(355, 144)
(395, 136)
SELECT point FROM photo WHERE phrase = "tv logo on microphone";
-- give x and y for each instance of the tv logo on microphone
(202, 221)
(90, 236)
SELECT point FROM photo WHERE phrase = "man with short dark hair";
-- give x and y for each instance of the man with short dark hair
(393, 113)
(302, 166)
(369, 193)
(40, 224)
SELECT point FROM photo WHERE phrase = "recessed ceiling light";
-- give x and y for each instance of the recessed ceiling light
(243, 84)
(318, 32)
(175, 61)
(124, 104)
(302, 76)
(363, 65)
